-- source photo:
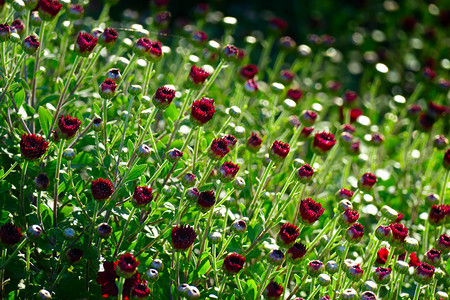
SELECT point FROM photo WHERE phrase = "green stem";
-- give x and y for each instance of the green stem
(444, 186)
(210, 82)
(178, 120)
(103, 14)
(141, 137)
(130, 105)
(147, 77)
(55, 191)
(120, 287)
(197, 145)
(313, 294)
(286, 279)
(225, 245)
(372, 261)
(261, 185)
(263, 59)
(22, 185)
(11, 76)
(130, 216)
(391, 254)
(207, 172)
(4, 264)
(338, 282)
(264, 281)
(277, 66)
(105, 125)
(417, 292)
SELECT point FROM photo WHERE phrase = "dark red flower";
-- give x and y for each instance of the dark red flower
(197, 76)
(10, 234)
(424, 273)
(314, 268)
(440, 142)
(382, 275)
(277, 25)
(248, 72)
(350, 97)
(5, 32)
(162, 19)
(174, 155)
(85, 44)
(354, 272)
(230, 52)
(250, 88)
(354, 233)
(18, 27)
(296, 253)
(202, 111)
(294, 94)
(349, 217)
(383, 233)
(399, 233)
(142, 196)
(279, 151)
(140, 290)
(219, 148)
(310, 211)
(142, 46)
(104, 230)
(68, 126)
(305, 174)
(163, 97)
(354, 114)
(433, 257)
(334, 85)
(323, 142)
(306, 132)
(377, 139)
(437, 110)
(108, 88)
(231, 140)
(75, 11)
(428, 73)
(287, 43)
(101, 189)
(426, 122)
(189, 179)
(109, 37)
(233, 263)
(446, 160)
(48, 9)
(438, 213)
(228, 171)
(344, 194)
(30, 45)
(108, 277)
(42, 182)
(206, 200)
(414, 111)
(254, 142)
(32, 146)
(443, 243)
(288, 234)
(348, 128)
(154, 52)
(308, 118)
(367, 181)
(199, 38)
(273, 290)
(286, 77)
(414, 261)
(127, 265)
(368, 295)
(182, 236)
(382, 256)
(74, 255)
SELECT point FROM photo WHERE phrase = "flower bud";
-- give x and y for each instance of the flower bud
(383, 233)
(152, 275)
(228, 171)
(345, 194)
(188, 180)
(376, 139)
(286, 77)
(344, 205)
(30, 45)
(305, 174)
(287, 235)
(440, 142)
(134, 90)
(432, 199)
(174, 155)
(35, 231)
(192, 194)
(349, 294)
(127, 265)
(85, 44)
(206, 201)
(35, 19)
(44, 295)
(441, 295)
(114, 75)
(367, 181)
(401, 267)
(108, 89)
(234, 112)
(97, 124)
(348, 217)
(354, 272)
(382, 275)
(314, 268)
(251, 88)
(230, 52)
(424, 273)
(239, 183)
(254, 143)
(239, 227)
(433, 257)
(239, 131)
(308, 118)
(354, 233)
(277, 88)
(276, 257)
(75, 11)
(74, 255)
(411, 245)
(42, 182)
(182, 289)
(331, 267)
(69, 154)
(143, 151)
(192, 293)
(215, 237)
(296, 253)
(69, 233)
(104, 230)
(324, 279)
(368, 295)
(389, 213)
(369, 285)
(157, 264)
(443, 243)
(5, 32)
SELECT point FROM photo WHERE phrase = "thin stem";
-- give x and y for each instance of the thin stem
(141, 137)
(210, 82)
(105, 124)
(197, 145)
(22, 185)
(130, 105)
(261, 185)
(264, 281)
(444, 186)
(9, 171)
(286, 279)
(178, 120)
(417, 292)
(4, 264)
(103, 14)
(55, 191)
(11, 77)
(207, 172)
(147, 77)
(121, 284)
(391, 254)
(130, 216)
(338, 282)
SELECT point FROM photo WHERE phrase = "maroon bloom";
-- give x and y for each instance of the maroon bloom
(233, 263)
(286, 77)
(162, 19)
(424, 273)
(382, 256)
(305, 174)
(10, 234)
(383, 233)
(154, 52)
(75, 11)
(231, 140)
(18, 27)
(287, 235)
(349, 217)
(382, 275)
(174, 155)
(101, 189)
(273, 290)
(109, 37)
(310, 211)
(414, 111)
(108, 277)
(32, 146)
(446, 160)
(376, 139)
(368, 295)
(206, 200)
(248, 72)
(127, 265)
(296, 253)
(354, 233)
(323, 142)
(334, 85)
(354, 272)
(254, 143)
(85, 44)
(142, 196)
(219, 148)
(42, 182)
(202, 111)
(68, 126)
(199, 38)
(443, 243)
(108, 88)
(414, 261)
(433, 257)
(367, 181)
(350, 98)
(163, 97)
(277, 25)
(399, 233)
(428, 73)
(74, 255)
(251, 88)
(426, 122)
(182, 236)
(308, 118)
(197, 76)
(230, 52)
(142, 46)
(30, 45)
(279, 151)
(228, 171)
(306, 132)
(294, 94)
(140, 290)
(348, 128)
(48, 9)
(5, 32)
(314, 268)
(344, 194)
(438, 213)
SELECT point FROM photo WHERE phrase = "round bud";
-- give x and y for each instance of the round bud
(383, 233)
(324, 279)
(277, 88)
(441, 296)
(152, 275)
(349, 294)
(134, 90)
(15, 38)
(235, 112)
(174, 155)
(157, 264)
(289, 104)
(215, 237)
(114, 75)
(239, 183)
(44, 295)
(370, 285)
(239, 227)
(189, 179)
(314, 268)
(35, 19)
(35, 231)
(389, 213)
(368, 295)
(182, 289)
(298, 163)
(239, 131)
(192, 194)
(192, 293)
(401, 267)
(69, 233)
(42, 182)
(144, 151)
(69, 154)
(97, 124)
(344, 205)
(411, 244)
(276, 257)
(439, 273)
(432, 199)
(331, 266)
(104, 230)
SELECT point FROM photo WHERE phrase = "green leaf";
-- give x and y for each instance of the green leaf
(298, 280)
(250, 290)
(135, 172)
(19, 97)
(45, 119)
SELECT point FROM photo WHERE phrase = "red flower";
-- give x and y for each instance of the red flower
(250, 88)
(206, 200)
(74, 255)
(446, 159)
(30, 45)
(142, 46)
(296, 253)
(414, 261)
(323, 142)
(10, 234)
(294, 94)
(354, 272)
(202, 111)
(354, 233)
(5, 32)
(42, 182)
(438, 214)
(248, 72)
(306, 132)
(310, 211)
(354, 114)
(142, 196)
(433, 257)
(107, 279)
(382, 256)
(279, 151)
(428, 73)
(85, 44)
(414, 110)
(344, 194)
(108, 88)
(305, 174)
(273, 290)
(334, 85)
(286, 76)
(308, 118)
(127, 265)
(424, 273)
(101, 189)
(349, 217)
(277, 25)
(174, 155)
(109, 37)
(348, 128)
(233, 263)
(426, 122)
(68, 126)
(399, 233)
(443, 243)
(367, 181)
(162, 19)
(230, 52)
(350, 98)
(32, 146)
(382, 275)
(254, 142)
(199, 38)
(163, 97)
(383, 233)
(48, 9)
(182, 236)
(154, 52)
(197, 76)
(231, 140)
(75, 11)
(219, 148)
(18, 27)
(140, 290)
(228, 171)
(288, 234)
